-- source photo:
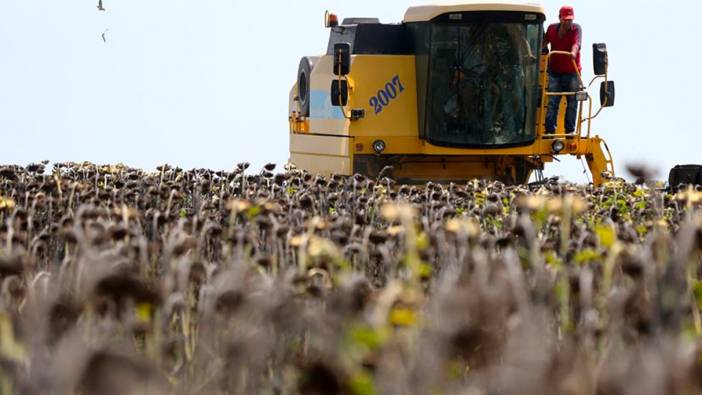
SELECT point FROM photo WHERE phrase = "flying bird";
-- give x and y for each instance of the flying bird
(99, 6)
(104, 38)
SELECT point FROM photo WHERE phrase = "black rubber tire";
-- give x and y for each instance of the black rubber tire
(685, 175)
(304, 72)
(522, 170)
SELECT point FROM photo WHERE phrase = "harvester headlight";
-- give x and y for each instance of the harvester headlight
(379, 146)
(557, 146)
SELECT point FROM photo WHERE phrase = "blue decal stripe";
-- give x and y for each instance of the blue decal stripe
(321, 107)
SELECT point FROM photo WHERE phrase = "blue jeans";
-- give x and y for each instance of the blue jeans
(562, 82)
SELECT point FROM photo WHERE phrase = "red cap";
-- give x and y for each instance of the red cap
(567, 13)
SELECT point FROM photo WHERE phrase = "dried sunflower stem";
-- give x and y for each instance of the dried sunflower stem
(426, 317)
(412, 258)
(566, 224)
(691, 271)
(188, 335)
(57, 179)
(607, 275)
(10, 234)
(696, 318)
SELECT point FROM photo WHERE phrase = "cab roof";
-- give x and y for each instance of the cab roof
(429, 12)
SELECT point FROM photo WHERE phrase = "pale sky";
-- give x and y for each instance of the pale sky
(205, 83)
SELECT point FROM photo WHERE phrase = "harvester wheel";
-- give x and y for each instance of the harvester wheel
(522, 171)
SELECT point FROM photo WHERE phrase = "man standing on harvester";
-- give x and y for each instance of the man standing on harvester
(563, 77)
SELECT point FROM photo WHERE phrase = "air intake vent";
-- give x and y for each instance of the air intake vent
(360, 21)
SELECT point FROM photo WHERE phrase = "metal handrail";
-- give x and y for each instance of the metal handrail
(546, 94)
(575, 65)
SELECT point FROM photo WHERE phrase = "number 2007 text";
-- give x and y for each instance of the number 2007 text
(386, 95)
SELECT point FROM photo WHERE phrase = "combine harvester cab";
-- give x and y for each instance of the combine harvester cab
(452, 93)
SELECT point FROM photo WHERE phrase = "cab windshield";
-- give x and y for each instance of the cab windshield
(483, 79)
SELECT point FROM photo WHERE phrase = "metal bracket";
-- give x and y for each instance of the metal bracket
(357, 113)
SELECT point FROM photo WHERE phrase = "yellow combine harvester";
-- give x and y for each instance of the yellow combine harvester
(452, 93)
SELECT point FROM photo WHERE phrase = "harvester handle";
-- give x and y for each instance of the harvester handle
(575, 65)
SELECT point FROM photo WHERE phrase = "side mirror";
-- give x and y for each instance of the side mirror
(342, 59)
(600, 59)
(339, 92)
(607, 94)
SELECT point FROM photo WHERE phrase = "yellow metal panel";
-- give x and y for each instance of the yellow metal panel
(322, 74)
(372, 77)
(323, 165)
(329, 126)
(541, 110)
(323, 155)
(599, 161)
(293, 105)
(457, 172)
(419, 168)
(375, 79)
(415, 146)
(325, 118)
(429, 12)
(319, 145)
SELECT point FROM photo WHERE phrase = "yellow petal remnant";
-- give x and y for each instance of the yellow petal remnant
(322, 275)
(362, 384)
(401, 316)
(238, 205)
(607, 235)
(297, 241)
(10, 349)
(380, 190)
(578, 205)
(466, 226)
(272, 207)
(394, 212)
(316, 223)
(552, 205)
(395, 230)
(690, 196)
(615, 183)
(422, 241)
(143, 312)
(320, 247)
(535, 202)
(6, 203)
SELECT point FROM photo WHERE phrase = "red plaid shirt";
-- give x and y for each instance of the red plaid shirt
(562, 63)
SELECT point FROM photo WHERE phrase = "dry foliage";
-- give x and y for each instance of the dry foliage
(118, 281)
